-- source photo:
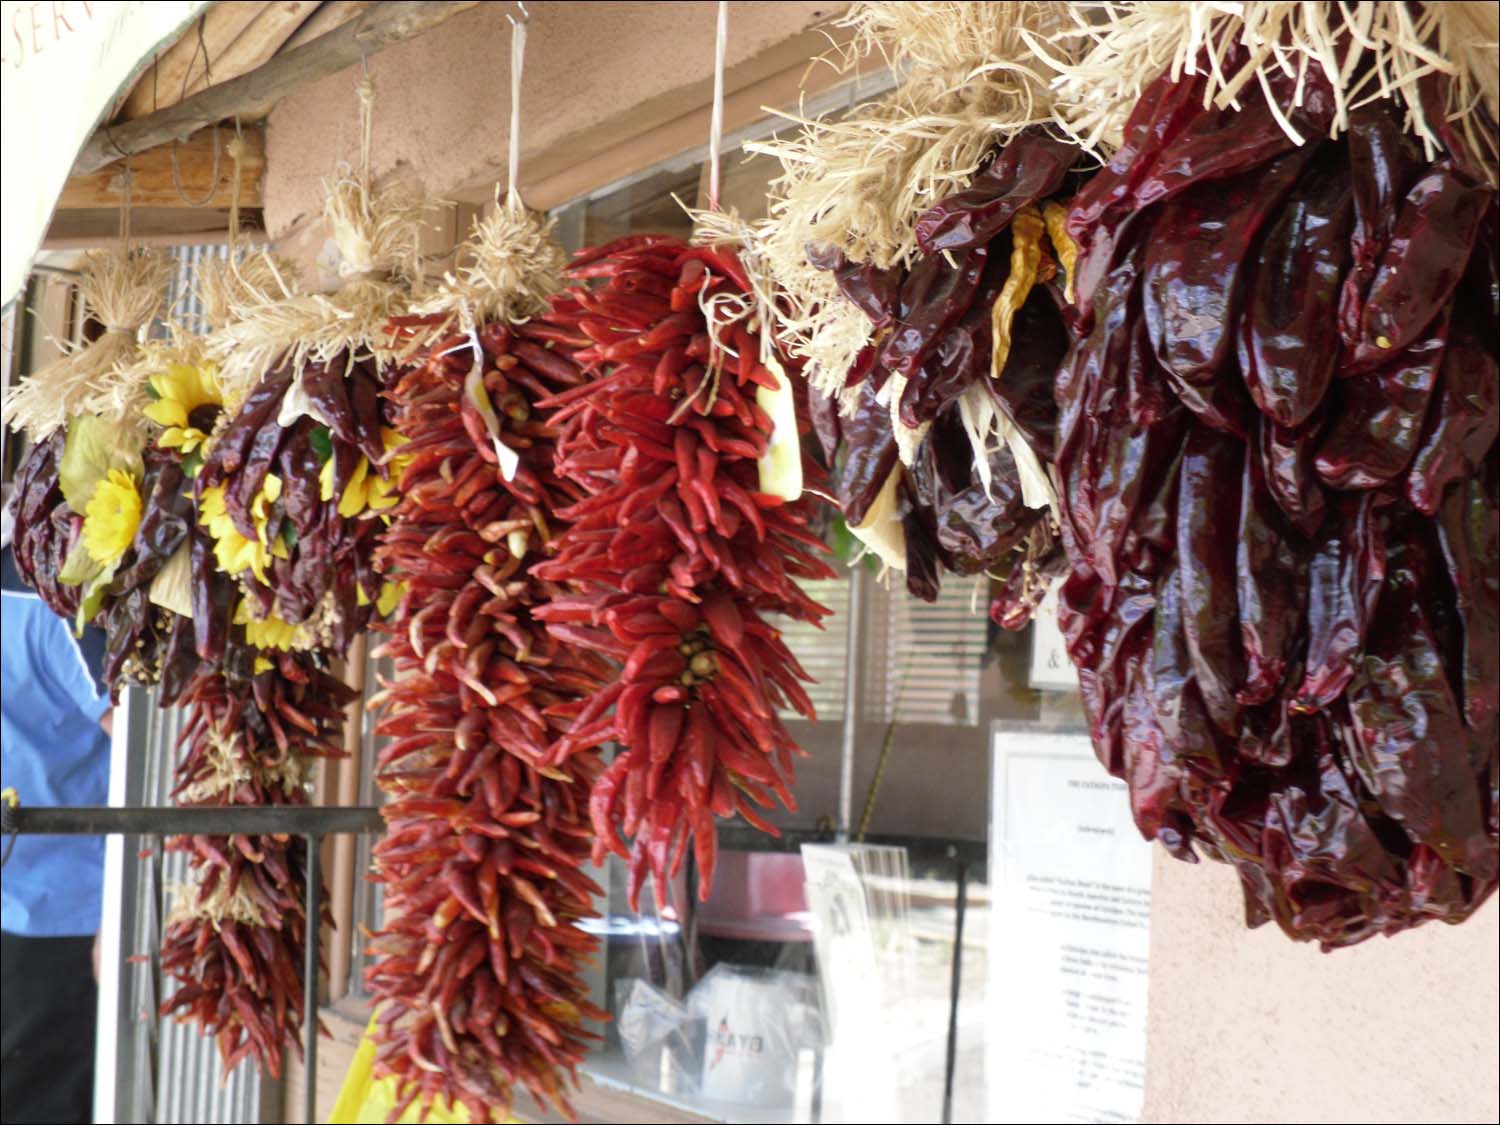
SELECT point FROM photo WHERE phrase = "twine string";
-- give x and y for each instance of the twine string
(716, 123)
(201, 48)
(517, 62)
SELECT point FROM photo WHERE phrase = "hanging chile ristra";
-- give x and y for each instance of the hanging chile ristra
(920, 270)
(1278, 466)
(279, 579)
(677, 557)
(478, 971)
(99, 509)
(291, 486)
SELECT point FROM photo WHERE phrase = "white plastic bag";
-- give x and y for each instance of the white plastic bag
(759, 1024)
(657, 1036)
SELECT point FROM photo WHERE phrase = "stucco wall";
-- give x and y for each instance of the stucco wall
(1247, 1026)
(595, 74)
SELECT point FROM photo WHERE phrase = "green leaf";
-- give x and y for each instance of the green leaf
(289, 536)
(79, 567)
(93, 596)
(322, 443)
(154, 394)
(93, 448)
(192, 462)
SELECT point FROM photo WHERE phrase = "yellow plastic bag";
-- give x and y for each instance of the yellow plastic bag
(367, 1100)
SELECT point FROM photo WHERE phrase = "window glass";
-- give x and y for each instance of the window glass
(720, 1008)
(838, 972)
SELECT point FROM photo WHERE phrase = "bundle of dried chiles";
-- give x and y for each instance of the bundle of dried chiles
(282, 579)
(1282, 503)
(964, 348)
(478, 970)
(677, 558)
(292, 491)
(105, 565)
(235, 943)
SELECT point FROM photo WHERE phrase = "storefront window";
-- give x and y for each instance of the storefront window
(856, 967)
(843, 971)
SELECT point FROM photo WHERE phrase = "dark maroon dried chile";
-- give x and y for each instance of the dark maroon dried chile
(1289, 341)
(1195, 264)
(1271, 567)
(1384, 161)
(1032, 166)
(1303, 682)
(1463, 423)
(933, 326)
(1427, 254)
(1377, 418)
(1411, 750)
(1287, 457)
(1039, 341)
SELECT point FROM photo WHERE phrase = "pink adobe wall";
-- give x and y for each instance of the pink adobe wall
(594, 74)
(1247, 1026)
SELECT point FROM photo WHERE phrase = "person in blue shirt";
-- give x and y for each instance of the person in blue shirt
(54, 750)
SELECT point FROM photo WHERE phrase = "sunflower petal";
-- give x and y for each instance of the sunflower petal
(167, 412)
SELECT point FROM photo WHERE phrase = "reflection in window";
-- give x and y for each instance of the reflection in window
(724, 1009)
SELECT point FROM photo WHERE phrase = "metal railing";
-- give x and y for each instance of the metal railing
(312, 822)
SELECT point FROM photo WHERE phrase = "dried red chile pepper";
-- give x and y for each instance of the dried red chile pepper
(676, 557)
(257, 717)
(479, 966)
(1283, 601)
(236, 947)
(933, 326)
(46, 528)
(144, 643)
(326, 576)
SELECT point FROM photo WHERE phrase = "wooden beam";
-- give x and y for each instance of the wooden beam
(330, 14)
(204, 176)
(258, 43)
(666, 125)
(252, 95)
(178, 70)
(166, 226)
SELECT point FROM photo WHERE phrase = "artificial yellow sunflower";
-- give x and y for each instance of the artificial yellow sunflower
(111, 517)
(270, 631)
(188, 401)
(367, 489)
(390, 596)
(234, 552)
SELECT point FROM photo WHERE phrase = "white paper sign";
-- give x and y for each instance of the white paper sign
(1069, 939)
(61, 65)
(1051, 670)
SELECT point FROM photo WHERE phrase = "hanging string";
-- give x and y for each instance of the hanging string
(213, 176)
(208, 80)
(517, 61)
(236, 154)
(125, 206)
(716, 124)
(366, 90)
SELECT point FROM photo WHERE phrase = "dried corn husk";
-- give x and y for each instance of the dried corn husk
(508, 270)
(125, 289)
(967, 81)
(1113, 51)
(258, 277)
(377, 230)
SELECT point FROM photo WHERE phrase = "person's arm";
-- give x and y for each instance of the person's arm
(85, 677)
